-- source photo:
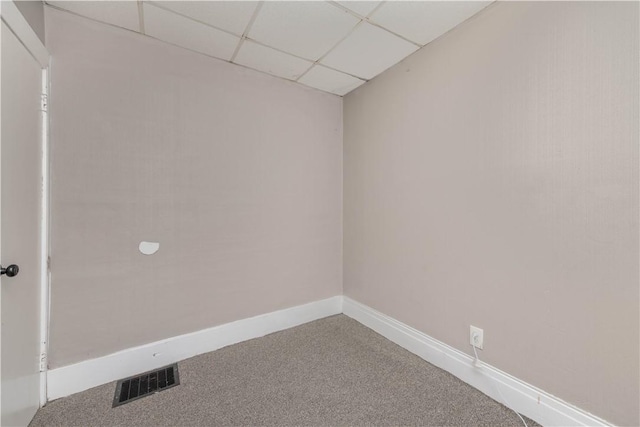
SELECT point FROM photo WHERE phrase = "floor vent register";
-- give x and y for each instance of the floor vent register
(139, 386)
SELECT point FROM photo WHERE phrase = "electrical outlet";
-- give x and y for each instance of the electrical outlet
(476, 337)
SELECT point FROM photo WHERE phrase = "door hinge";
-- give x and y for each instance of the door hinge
(43, 362)
(43, 102)
(49, 263)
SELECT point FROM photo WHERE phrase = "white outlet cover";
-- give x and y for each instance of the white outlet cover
(479, 343)
(149, 248)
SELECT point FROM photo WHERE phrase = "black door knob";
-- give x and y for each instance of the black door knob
(10, 271)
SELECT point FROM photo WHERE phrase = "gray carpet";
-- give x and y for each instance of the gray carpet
(332, 371)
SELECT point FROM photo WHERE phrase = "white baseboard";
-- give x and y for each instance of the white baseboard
(81, 376)
(526, 399)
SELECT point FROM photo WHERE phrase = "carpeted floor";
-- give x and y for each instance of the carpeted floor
(332, 371)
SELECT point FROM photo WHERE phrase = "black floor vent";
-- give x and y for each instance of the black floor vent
(142, 385)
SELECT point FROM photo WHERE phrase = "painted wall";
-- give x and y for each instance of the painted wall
(492, 179)
(238, 176)
(33, 12)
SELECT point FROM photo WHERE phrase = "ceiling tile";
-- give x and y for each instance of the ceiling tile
(232, 16)
(330, 81)
(362, 8)
(120, 13)
(368, 51)
(423, 21)
(271, 61)
(175, 29)
(304, 28)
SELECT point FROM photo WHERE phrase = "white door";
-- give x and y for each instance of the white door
(20, 216)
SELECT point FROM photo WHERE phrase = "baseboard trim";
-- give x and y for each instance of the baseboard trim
(528, 400)
(84, 375)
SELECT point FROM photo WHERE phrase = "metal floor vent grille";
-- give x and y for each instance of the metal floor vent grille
(133, 388)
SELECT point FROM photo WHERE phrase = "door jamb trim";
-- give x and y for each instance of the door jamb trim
(45, 276)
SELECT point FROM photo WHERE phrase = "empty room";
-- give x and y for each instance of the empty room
(319, 213)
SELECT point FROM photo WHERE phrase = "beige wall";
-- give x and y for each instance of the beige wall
(492, 179)
(237, 174)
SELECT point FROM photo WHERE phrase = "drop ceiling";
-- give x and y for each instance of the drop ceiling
(333, 46)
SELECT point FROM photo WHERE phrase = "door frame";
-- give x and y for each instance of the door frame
(19, 26)
(45, 213)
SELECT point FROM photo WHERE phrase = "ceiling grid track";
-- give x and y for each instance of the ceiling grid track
(246, 30)
(159, 5)
(317, 61)
(361, 20)
(285, 42)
